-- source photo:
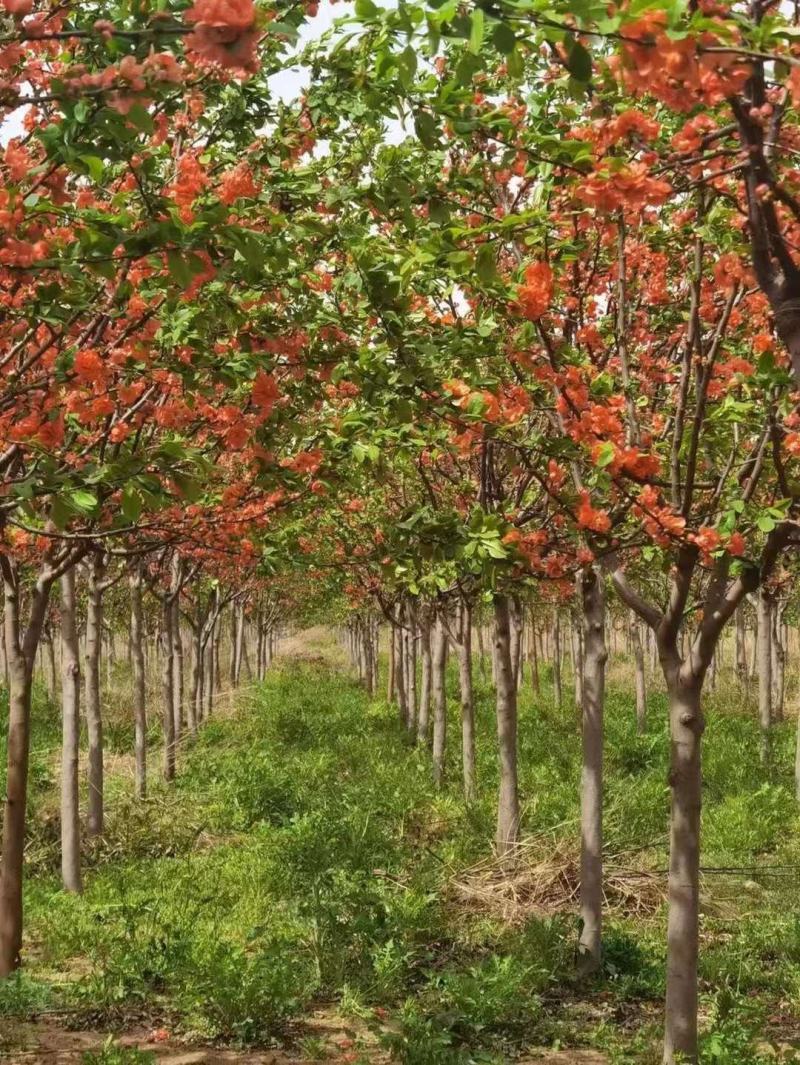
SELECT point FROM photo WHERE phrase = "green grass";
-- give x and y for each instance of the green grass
(303, 856)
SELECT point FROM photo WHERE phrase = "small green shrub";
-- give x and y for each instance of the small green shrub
(113, 1054)
(22, 995)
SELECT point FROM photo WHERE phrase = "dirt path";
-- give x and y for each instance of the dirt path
(49, 1043)
(328, 1038)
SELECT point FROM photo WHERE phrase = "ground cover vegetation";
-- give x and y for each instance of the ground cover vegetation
(481, 348)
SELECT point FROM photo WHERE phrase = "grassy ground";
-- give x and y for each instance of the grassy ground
(303, 857)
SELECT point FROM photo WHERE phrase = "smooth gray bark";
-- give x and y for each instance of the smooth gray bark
(507, 837)
(439, 693)
(70, 738)
(686, 729)
(464, 648)
(557, 687)
(640, 677)
(94, 712)
(593, 689)
(426, 680)
(139, 683)
(764, 656)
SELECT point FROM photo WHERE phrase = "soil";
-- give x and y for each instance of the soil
(49, 1043)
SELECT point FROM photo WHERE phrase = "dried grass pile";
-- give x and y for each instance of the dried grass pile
(543, 878)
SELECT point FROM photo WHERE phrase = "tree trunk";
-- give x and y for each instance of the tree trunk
(411, 667)
(194, 707)
(686, 729)
(534, 657)
(208, 668)
(439, 692)
(764, 649)
(778, 661)
(593, 688)
(70, 738)
(467, 701)
(741, 645)
(390, 680)
(52, 680)
(426, 684)
(400, 673)
(639, 674)
(481, 650)
(515, 620)
(139, 684)
(557, 694)
(21, 656)
(167, 690)
(177, 665)
(94, 714)
(508, 799)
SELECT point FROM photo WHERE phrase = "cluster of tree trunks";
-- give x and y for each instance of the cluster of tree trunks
(76, 630)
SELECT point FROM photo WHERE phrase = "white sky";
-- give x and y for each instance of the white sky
(286, 85)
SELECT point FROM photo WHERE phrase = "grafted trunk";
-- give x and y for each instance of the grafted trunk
(245, 667)
(208, 671)
(481, 650)
(534, 659)
(467, 701)
(216, 673)
(94, 713)
(238, 647)
(21, 656)
(576, 649)
(753, 669)
(639, 675)
(426, 682)
(765, 670)
(439, 692)
(400, 673)
(167, 689)
(593, 689)
(557, 693)
(390, 680)
(194, 706)
(741, 645)
(376, 651)
(778, 661)
(411, 667)
(516, 622)
(686, 729)
(139, 691)
(508, 799)
(177, 666)
(70, 738)
(52, 678)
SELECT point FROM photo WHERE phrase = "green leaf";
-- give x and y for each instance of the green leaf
(476, 31)
(579, 63)
(503, 38)
(139, 117)
(132, 504)
(83, 501)
(605, 455)
(426, 129)
(179, 268)
(765, 523)
(515, 63)
(486, 263)
(366, 9)
(93, 166)
(59, 512)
